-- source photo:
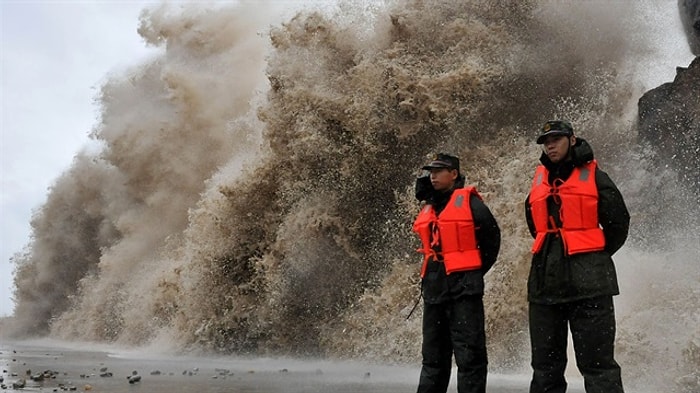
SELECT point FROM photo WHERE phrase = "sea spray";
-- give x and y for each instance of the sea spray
(166, 127)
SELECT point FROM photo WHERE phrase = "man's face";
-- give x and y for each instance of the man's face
(557, 147)
(443, 179)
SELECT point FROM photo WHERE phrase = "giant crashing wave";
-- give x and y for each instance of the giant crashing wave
(255, 196)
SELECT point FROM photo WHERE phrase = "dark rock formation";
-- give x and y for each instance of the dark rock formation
(669, 124)
(690, 16)
(669, 119)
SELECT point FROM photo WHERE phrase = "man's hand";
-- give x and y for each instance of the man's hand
(424, 188)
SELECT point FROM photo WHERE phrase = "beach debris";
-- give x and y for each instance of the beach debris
(191, 372)
(68, 387)
(155, 372)
(134, 377)
(48, 374)
(19, 384)
(223, 372)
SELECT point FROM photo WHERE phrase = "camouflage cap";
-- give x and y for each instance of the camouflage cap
(555, 127)
(443, 160)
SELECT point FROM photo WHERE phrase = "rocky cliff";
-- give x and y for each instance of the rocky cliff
(669, 115)
(690, 17)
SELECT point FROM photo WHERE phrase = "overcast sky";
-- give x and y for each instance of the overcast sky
(55, 56)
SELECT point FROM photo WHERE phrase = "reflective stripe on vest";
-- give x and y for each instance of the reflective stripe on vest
(578, 211)
(453, 230)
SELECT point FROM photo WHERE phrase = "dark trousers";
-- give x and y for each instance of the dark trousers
(592, 323)
(454, 327)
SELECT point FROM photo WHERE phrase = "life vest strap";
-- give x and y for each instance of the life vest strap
(427, 254)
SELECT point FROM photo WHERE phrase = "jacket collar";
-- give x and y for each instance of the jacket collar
(580, 154)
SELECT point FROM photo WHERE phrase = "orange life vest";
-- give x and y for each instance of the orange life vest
(578, 211)
(453, 231)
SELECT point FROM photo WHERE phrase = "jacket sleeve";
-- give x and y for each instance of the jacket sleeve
(612, 213)
(488, 234)
(528, 217)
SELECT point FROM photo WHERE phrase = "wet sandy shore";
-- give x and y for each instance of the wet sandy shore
(48, 366)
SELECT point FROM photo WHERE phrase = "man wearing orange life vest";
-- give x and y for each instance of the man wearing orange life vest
(460, 240)
(579, 220)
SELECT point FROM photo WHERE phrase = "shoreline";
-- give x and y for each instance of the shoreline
(104, 368)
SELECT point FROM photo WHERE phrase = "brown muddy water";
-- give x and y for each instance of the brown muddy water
(78, 367)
